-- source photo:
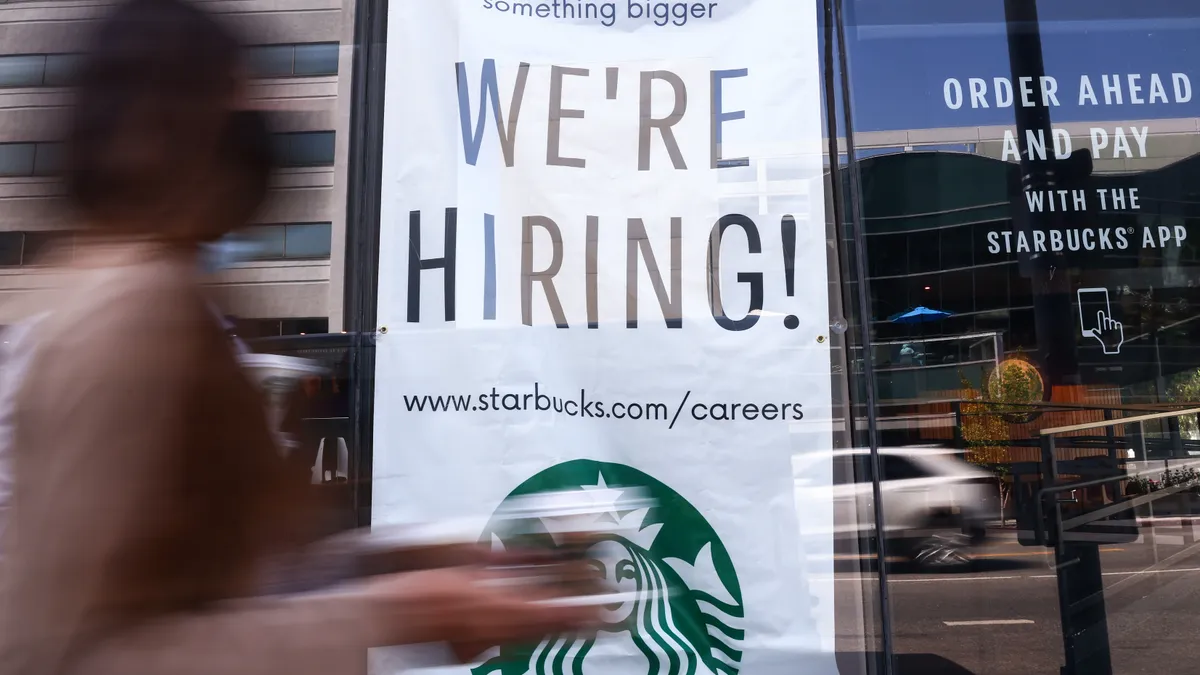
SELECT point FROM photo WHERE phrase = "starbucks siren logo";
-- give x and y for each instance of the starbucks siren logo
(686, 602)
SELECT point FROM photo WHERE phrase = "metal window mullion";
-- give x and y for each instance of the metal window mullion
(364, 179)
(847, 215)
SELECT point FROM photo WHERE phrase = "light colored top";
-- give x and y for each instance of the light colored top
(150, 493)
(16, 352)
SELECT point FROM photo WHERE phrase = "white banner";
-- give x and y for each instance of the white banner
(603, 266)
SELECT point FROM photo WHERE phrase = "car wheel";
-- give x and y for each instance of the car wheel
(943, 550)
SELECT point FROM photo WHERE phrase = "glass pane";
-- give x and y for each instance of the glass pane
(16, 159)
(888, 254)
(289, 300)
(1052, 157)
(254, 329)
(40, 244)
(956, 246)
(281, 148)
(11, 244)
(48, 159)
(267, 242)
(317, 59)
(22, 71)
(924, 253)
(304, 326)
(311, 148)
(60, 69)
(270, 60)
(310, 240)
(958, 293)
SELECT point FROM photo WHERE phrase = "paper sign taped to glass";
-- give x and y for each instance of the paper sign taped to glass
(603, 271)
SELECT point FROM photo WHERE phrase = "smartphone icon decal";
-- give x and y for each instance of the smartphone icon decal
(1096, 320)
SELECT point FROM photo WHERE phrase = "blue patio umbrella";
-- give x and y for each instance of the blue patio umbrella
(920, 315)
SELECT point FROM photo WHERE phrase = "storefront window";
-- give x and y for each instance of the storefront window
(1001, 314)
(1030, 257)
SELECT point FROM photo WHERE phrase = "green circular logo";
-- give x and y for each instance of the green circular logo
(685, 608)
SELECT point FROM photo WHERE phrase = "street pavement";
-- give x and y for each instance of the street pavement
(1001, 617)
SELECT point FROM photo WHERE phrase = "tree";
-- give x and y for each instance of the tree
(986, 418)
(1185, 388)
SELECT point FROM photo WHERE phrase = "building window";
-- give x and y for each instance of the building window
(271, 60)
(37, 70)
(38, 245)
(315, 59)
(303, 326)
(266, 242)
(295, 60)
(308, 240)
(44, 158)
(294, 241)
(22, 70)
(30, 159)
(47, 159)
(305, 149)
(17, 159)
(11, 244)
(19, 249)
(252, 329)
(274, 61)
(60, 69)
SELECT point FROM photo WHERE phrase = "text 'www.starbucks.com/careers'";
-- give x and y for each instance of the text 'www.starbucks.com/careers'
(584, 406)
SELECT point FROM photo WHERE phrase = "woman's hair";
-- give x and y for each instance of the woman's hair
(247, 148)
(152, 65)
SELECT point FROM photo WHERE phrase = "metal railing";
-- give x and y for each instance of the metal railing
(1051, 470)
(1077, 562)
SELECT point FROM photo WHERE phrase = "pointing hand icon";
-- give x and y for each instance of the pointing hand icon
(1110, 333)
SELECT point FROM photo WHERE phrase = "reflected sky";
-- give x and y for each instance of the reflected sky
(902, 51)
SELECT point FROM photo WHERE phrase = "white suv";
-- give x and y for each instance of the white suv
(935, 504)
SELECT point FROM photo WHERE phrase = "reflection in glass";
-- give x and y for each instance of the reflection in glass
(48, 159)
(60, 69)
(11, 244)
(309, 240)
(22, 70)
(305, 149)
(271, 60)
(317, 59)
(16, 159)
(268, 241)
